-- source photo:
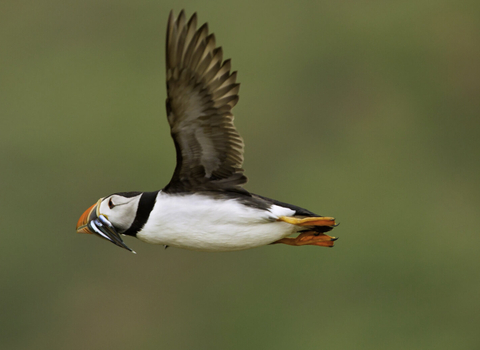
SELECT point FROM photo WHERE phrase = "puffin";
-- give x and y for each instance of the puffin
(205, 206)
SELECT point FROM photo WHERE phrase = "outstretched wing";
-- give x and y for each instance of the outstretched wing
(201, 94)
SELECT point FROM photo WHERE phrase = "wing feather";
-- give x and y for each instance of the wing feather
(201, 94)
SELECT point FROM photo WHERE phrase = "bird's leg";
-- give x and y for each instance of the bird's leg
(309, 238)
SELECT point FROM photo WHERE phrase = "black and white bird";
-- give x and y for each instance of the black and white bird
(204, 207)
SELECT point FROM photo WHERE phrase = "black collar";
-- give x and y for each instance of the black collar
(145, 206)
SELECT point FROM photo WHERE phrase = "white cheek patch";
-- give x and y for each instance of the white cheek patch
(123, 213)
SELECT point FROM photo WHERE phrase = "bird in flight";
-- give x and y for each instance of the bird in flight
(204, 207)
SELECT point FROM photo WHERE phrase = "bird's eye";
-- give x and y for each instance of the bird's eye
(110, 203)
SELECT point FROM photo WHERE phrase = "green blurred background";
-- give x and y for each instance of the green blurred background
(368, 111)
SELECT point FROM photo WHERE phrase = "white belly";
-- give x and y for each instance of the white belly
(198, 222)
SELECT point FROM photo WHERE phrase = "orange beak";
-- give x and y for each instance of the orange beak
(87, 216)
(93, 222)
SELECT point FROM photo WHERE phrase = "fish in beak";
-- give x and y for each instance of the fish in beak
(93, 222)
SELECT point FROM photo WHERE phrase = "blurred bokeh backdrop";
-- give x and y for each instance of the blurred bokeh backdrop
(368, 111)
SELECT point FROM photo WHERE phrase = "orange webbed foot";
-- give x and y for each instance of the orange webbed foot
(309, 238)
(309, 221)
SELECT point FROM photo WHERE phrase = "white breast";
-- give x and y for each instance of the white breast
(199, 222)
